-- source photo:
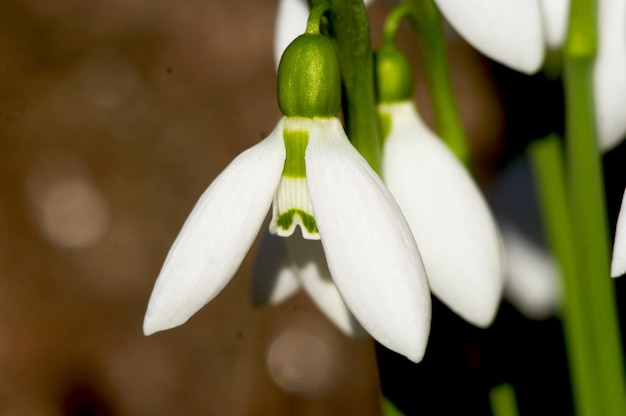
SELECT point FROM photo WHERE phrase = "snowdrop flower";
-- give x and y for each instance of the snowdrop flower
(315, 180)
(534, 284)
(291, 17)
(516, 33)
(450, 220)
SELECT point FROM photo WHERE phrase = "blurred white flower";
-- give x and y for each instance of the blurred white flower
(533, 281)
(618, 263)
(609, 76)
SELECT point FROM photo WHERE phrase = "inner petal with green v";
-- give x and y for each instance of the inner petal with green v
(292, 204)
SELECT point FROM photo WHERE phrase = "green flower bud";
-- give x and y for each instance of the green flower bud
(309, 81)
(394, 75)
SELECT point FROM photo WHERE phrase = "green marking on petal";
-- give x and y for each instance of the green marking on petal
(285, 220)
(292, 207)
(295, 145)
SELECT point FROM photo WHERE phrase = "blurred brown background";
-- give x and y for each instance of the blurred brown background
(114, 116)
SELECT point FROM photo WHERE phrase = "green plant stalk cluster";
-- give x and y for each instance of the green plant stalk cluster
(349, 28)
(503, 400)
(571, 191)
(587, 198)
(574, 209)
(548, 167)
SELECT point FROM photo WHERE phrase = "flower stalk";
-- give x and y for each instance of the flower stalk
(549, 170)
(349, 26)
(574, 208)
(503, 400)
(588, 212)
(428, 24)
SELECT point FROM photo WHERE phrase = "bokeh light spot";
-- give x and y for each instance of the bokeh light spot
(71, 211)
(300, 362)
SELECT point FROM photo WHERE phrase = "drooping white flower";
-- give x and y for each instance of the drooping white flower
(512, 32)
(507, 31)
(318, 181)
(516, 33)
(450, 220)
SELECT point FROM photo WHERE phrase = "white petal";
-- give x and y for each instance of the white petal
(533, 285)
(508, 31)
(310, 262)
(555, 18)
(610, 73)
(217, 235)
(274, 278)
(291, 19)
(452, 224)
(372, 256)
(618, 264)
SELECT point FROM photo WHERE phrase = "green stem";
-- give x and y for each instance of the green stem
(389, 409)
(503, 401)
(588, 207)
(392, 22)
(547, 162)
(315, 17)
(429, 26)
(350, 28)
(589, 217)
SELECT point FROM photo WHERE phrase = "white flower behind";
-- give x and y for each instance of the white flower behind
(609, 77)
(618, 263)
(534, 284)
(291, 18)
